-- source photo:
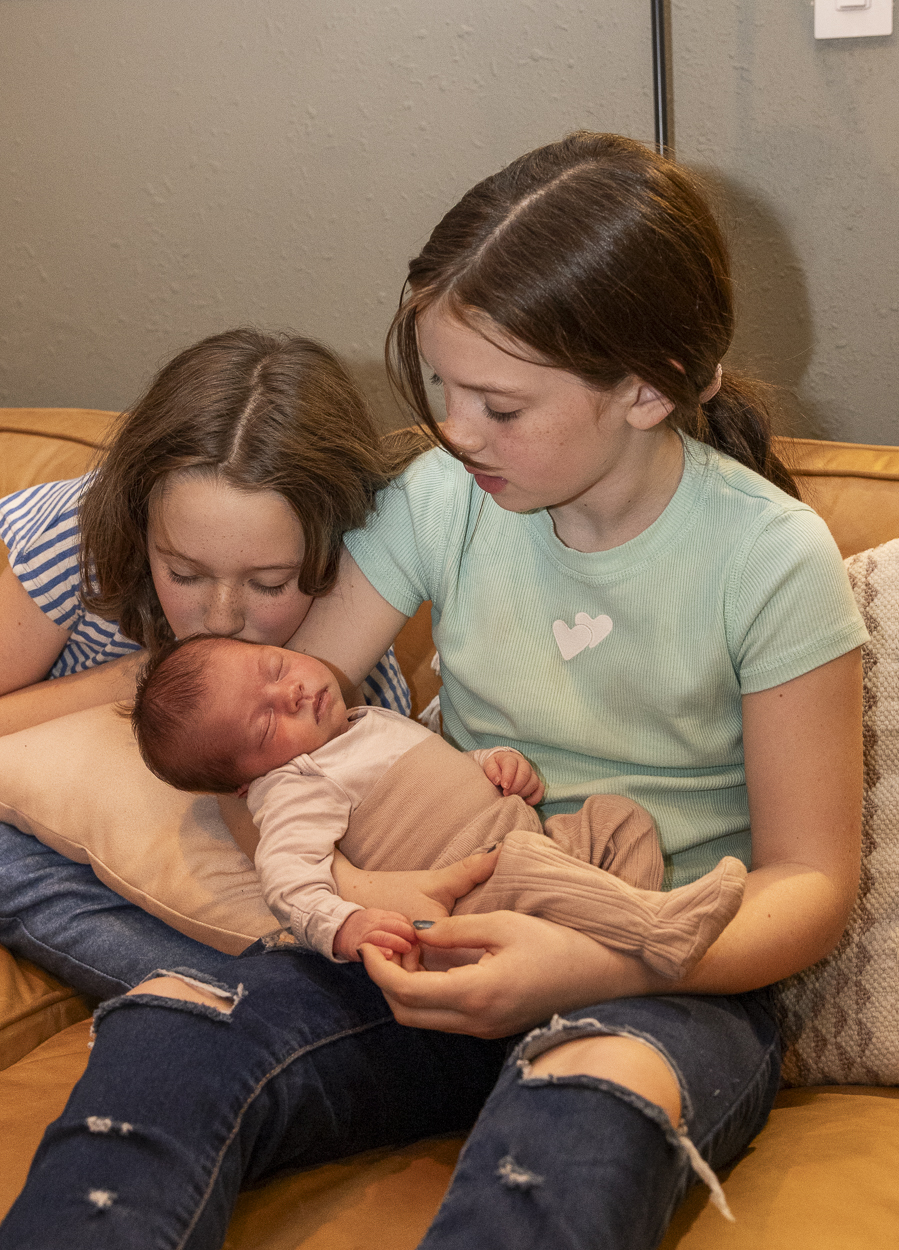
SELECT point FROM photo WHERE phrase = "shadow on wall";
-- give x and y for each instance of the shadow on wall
(371, 377)
(774, 340)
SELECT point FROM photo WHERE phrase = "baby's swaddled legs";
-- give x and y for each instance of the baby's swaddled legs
(598, 872)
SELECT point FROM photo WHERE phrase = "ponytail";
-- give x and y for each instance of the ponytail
(737, 422)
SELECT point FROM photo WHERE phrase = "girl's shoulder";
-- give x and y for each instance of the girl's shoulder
(433, 468)
(740, 505)
(732, 477)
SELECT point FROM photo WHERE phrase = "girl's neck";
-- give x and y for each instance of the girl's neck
(630, 496)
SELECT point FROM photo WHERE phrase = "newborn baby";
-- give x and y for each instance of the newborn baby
(221, 715)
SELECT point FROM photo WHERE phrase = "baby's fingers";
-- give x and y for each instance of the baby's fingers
(532, 790)
(390, 943)
(492, 770)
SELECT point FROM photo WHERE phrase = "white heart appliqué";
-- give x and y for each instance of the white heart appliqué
(599, 626)
(571, 641)
(587, 631)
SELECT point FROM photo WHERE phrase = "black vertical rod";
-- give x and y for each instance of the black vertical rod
(660, 76)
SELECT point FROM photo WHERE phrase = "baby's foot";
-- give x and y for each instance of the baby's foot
(690, 919)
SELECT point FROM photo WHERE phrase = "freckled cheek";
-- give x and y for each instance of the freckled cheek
(182, 609)
(274, 623)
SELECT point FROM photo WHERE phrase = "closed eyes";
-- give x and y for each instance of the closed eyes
(184, 579)
(492, 413)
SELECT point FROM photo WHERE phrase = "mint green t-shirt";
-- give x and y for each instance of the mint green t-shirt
(618, 671)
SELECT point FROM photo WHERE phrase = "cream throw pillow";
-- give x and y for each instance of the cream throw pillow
(79, 785)
(840, 1018)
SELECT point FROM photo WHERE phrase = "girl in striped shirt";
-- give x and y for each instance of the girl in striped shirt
(219, 507)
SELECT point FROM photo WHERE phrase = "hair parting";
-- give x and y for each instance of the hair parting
(600, 257)
(261, 411)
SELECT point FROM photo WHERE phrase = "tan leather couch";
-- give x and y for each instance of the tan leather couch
(822, 1174)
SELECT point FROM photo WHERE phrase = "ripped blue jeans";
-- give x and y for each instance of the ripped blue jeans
(182, 1103)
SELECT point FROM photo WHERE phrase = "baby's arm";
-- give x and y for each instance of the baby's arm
(511, 772)
(300, 819)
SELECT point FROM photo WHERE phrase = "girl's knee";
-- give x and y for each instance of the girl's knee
(628, 1061)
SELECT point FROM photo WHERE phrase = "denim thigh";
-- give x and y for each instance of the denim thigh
(62, 917)
(576, 1162)
(182, 1103)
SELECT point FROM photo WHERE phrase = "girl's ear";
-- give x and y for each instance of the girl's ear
(241, 791)
(649, 407)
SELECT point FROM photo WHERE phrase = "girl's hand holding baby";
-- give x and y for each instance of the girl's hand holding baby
(388, 930)
(514, 775)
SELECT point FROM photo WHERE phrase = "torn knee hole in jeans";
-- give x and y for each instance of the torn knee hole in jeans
(205, 987)
(105, 1124)
(557, 1033)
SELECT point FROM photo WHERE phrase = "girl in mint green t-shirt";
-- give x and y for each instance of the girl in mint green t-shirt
(626, 587)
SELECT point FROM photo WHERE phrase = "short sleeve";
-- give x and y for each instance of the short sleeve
(790, 605)
(40, 528)
(402, 548)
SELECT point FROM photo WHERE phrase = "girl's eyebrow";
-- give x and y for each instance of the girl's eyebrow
(491, 388)
(486, 388)
(253, 568)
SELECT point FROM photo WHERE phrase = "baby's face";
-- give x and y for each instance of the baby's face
(269, 704)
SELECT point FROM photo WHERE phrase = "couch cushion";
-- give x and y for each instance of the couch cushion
(33, 1006)
(852, 485)
(819, 1176)
(48, 444)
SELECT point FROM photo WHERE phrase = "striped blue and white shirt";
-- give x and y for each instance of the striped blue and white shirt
(39, 526)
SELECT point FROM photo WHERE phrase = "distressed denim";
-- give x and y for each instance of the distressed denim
(182, 1103)
(575, 1162)
(61, 916)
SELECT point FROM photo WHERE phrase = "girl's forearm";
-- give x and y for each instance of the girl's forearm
(791, 916)
(46, 700)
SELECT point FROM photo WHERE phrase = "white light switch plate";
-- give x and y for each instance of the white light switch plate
(834, 21)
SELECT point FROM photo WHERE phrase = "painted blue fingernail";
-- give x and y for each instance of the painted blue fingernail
(422, 924)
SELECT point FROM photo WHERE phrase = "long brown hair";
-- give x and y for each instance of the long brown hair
(264, 412)
(604, 259)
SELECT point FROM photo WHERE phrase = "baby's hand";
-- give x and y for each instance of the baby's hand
(388, 930)
(514, 775)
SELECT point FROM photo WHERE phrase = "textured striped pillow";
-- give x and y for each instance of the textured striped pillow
(840, 1018)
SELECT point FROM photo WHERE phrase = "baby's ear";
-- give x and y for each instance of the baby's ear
(241, 791)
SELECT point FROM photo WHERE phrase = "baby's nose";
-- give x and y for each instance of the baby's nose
(294, 694)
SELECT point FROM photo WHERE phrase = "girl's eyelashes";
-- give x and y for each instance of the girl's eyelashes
(184, 579)
(269, 590)
(490, 412)
(501, 416)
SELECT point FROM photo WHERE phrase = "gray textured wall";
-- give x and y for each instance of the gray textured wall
(173, 168)
(804, 138)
